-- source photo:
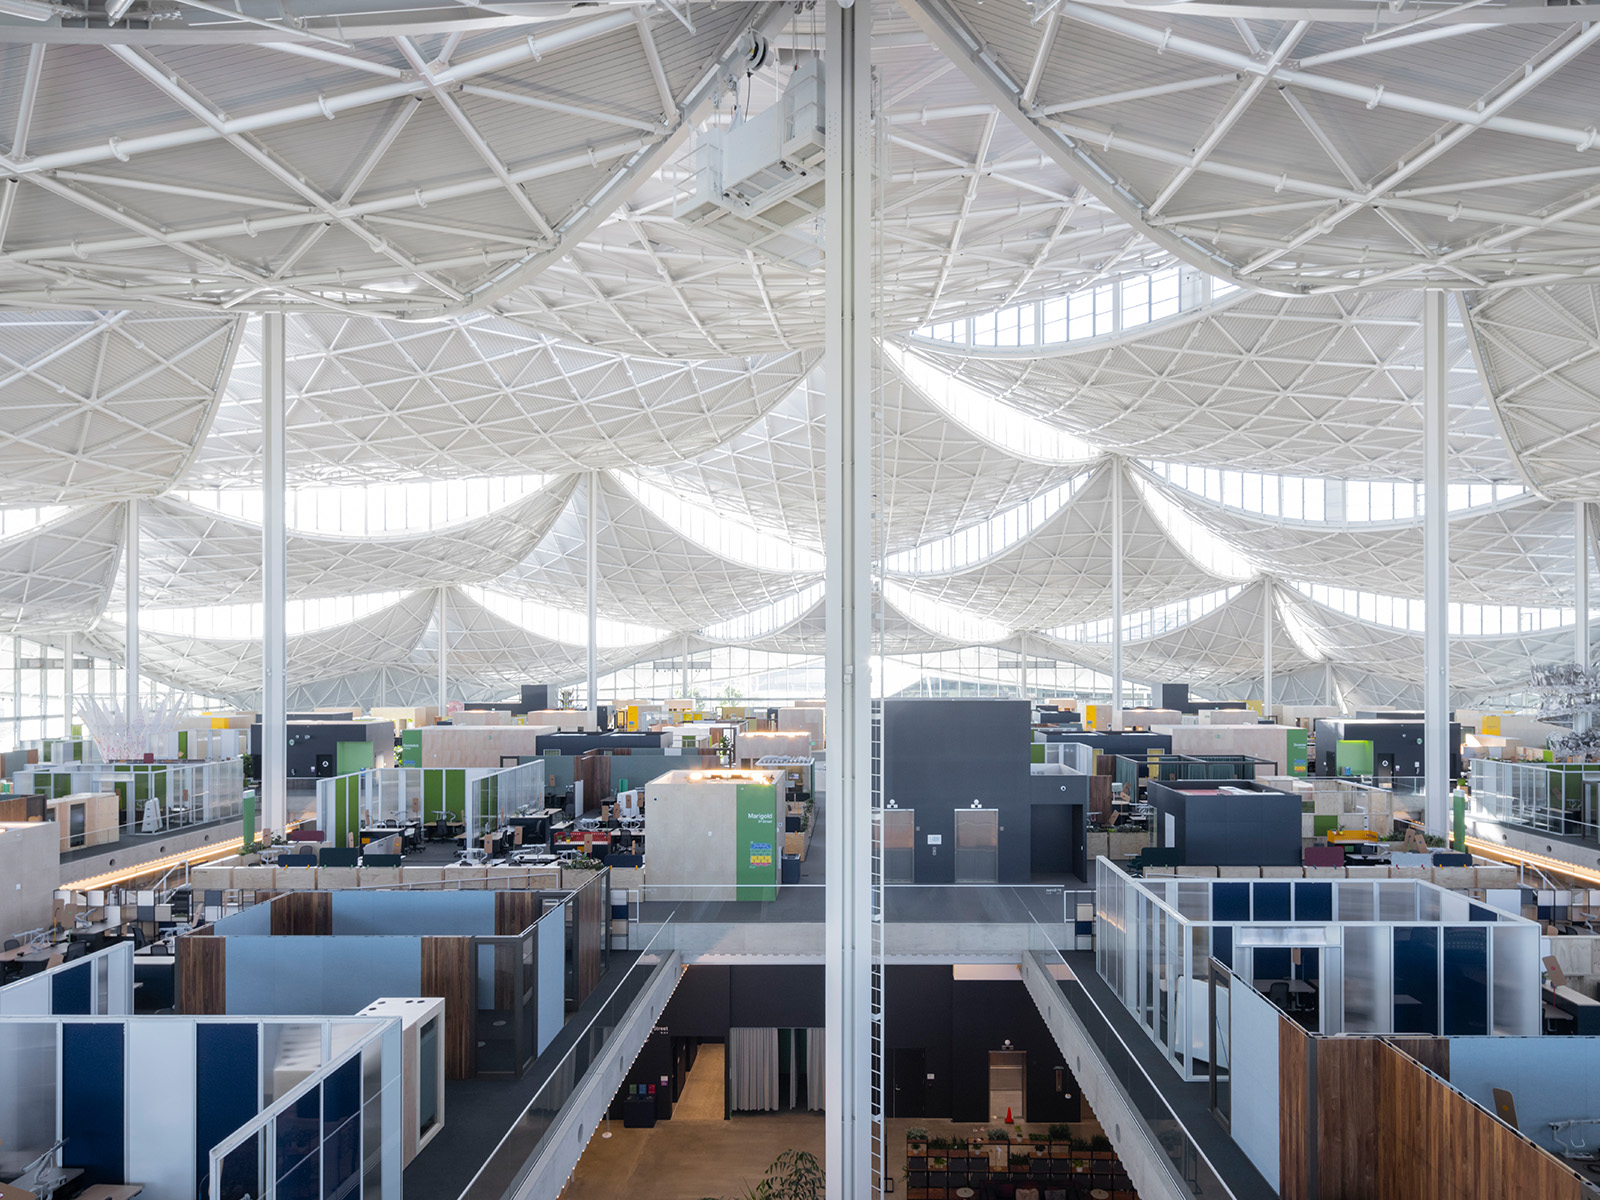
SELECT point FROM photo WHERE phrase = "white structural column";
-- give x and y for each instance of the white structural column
(1022, 675)
(69, 692)
(591, 499)
(1266, 647)
(848, 424)
(1580, 598)
(130, 582)
(1580, 584)
(444, 651)
(1116, 589)
(684, 693)
(1435, 566)
(274, 580)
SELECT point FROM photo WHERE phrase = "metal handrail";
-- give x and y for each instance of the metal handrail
(1133, 1061)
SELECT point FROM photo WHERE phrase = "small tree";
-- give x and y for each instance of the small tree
(793, 1175)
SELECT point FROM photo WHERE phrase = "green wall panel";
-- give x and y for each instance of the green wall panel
(757, 842)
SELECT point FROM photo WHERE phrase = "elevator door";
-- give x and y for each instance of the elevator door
(899, 845)
(977, 845)
(1008, 1092)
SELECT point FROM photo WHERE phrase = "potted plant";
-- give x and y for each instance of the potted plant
(916, 1140)
(1100, 1147)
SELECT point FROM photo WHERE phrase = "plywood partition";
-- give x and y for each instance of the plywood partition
(447, 972)
(202, 974)
(303, 914)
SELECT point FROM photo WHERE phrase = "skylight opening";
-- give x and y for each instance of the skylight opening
(767, 619)
(1149, 622)
(14, 521)
(946, 620)
(982, 541)
(1101, 310)
(1466, 620)
(992, 420)
(730, 539)
(1325, 501)
(375, 509)
(1206, 548)
(230, 622)
(563, 625)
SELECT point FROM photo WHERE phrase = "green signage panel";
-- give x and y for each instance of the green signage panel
(1297, 751)
(757, 841)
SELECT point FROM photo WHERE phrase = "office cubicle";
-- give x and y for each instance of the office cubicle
(147, 1100)
(509, 965)
(1370, 955)
(480, 798)
(96, 985)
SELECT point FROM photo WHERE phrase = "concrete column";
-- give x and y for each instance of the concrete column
(1435, 564)
(848, 369)
(274, 578)
(592, 504)
(130, 579)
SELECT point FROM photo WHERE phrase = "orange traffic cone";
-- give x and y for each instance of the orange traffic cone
(1009, 1121)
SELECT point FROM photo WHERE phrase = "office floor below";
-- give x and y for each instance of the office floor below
(685, 1159)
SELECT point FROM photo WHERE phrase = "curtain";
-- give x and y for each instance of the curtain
(753, 1069)
(816, 1055)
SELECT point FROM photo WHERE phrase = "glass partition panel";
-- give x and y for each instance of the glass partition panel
(1515, 958)
(1366, 976)
(241, 1170)
(1355, 900)
(296, 1136)
(1397, 900)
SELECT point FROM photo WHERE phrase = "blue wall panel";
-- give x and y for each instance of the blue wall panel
(446, 914)
(70, 991)
(227, 1085)
(92, 1072)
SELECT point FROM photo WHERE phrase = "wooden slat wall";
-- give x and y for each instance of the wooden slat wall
(515, 911)
(1294, 1161)
(303, 914)
(447, 973)
(1388, 1128)
(1436, 1142)
(1431, 1052)
(1347, 1118)
(591, 920)
(202, 978)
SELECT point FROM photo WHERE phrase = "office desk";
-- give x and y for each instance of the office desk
(111, 1191)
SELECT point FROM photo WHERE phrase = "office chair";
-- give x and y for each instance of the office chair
(11, 944)
(1278, 993)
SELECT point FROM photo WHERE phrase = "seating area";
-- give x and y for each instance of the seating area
(998, 1166)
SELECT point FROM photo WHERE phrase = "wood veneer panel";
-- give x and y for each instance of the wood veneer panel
(303, 914)
(1347, 1119)
(592, 920)
(1431, 1052)
(447, 973)
(202, 974)
(1294, 1159)
(514, 912)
